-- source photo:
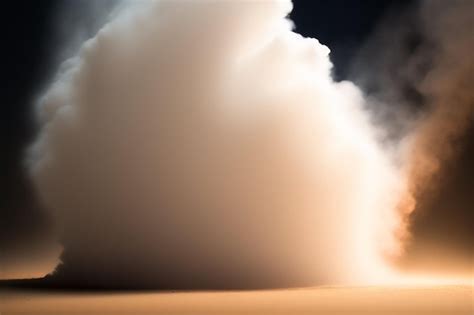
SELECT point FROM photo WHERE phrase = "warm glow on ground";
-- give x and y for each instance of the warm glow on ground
(416, 299)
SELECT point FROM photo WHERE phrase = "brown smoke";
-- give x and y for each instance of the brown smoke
(448, 94)
(419, 64)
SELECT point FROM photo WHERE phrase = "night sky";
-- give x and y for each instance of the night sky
(35, 36)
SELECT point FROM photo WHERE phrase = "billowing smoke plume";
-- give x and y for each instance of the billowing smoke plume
(204, 144)
(425, 68)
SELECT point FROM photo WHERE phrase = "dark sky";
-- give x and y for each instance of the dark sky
(25, 54)
(35, 33)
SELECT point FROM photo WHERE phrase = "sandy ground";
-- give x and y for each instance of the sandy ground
(449, 300)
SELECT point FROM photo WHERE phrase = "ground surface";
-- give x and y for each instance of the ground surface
(449, 300)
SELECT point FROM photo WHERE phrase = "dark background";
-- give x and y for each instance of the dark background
(37, 35)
